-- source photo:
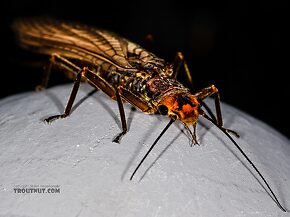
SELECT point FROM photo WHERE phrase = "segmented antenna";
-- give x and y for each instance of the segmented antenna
(248, 159)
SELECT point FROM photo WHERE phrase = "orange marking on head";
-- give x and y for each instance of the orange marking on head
(184, 107)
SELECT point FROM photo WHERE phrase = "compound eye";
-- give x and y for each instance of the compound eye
(163, 110)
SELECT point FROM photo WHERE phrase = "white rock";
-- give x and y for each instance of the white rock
(77, 156)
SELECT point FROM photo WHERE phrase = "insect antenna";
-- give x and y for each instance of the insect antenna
(248, 159)
(152, 146)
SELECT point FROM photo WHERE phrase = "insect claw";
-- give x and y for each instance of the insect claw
(54, 117)
(119, 137)
(194, 142)
(49, 119)
(39, 88)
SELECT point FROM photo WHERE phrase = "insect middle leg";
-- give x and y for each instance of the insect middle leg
(178, 62)
(211, 90)
(123, 118)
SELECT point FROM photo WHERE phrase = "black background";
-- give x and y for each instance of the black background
(240, 46)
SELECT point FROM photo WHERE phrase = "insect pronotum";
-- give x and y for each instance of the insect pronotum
(125, 72)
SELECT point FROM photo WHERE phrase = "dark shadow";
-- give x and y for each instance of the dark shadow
(138, 149)
(109, 110)
(200, 135)
(160, 155)
(60, 106)
(77, 104)
(55, 99)
(130, 117)
(115, 116)
(183, 131)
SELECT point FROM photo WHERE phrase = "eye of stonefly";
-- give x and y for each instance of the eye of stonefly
(163, 110)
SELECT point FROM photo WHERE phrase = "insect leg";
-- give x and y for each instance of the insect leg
(69, 66)
(46, 75)
(212, 90)
(123, 118)
(219, 114)
(71, 97)
(114, 93)
(56, 59)
(94, 79)
(178, 62)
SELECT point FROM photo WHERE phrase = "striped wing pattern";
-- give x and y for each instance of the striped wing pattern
(92, 45)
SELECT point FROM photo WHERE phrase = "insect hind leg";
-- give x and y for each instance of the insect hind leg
(71, 98)
(56, 60)
(63, 63)
(46, 75)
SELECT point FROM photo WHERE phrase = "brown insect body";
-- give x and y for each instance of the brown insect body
(119, 62)
(126, 72)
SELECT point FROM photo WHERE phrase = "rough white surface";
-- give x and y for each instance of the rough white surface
(93, 173)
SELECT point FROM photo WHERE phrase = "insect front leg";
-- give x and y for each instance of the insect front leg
(180, 61)
(212, 90)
